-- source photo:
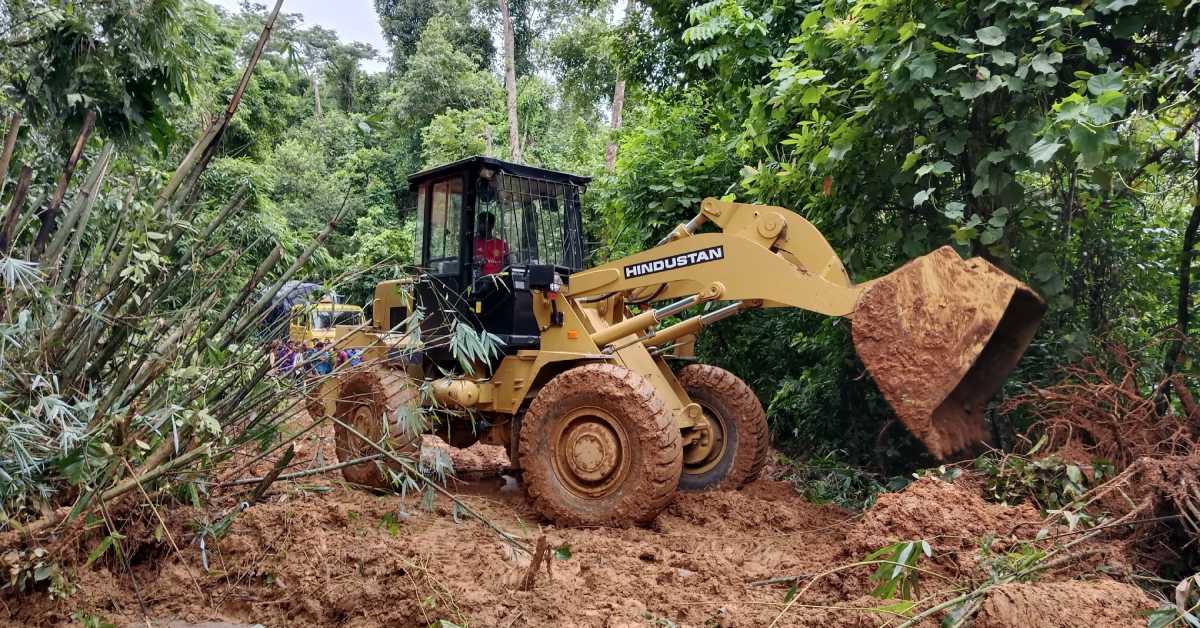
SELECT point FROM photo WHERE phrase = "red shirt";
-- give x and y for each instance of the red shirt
(491, 253)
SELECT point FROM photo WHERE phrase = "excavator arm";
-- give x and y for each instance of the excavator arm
(939, 335)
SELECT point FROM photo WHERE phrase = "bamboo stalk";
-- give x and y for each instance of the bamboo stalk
(302, 474)
(14, 209)
(61, 514)
(414, 472)
(10, 144)
(79, 214)
(269, 479)
(49, 216)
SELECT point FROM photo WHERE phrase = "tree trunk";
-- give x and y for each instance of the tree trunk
(618, 103)
(316, 87)
(1184, 304)
(510, 84)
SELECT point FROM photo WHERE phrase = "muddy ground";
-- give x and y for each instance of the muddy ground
(317, 552)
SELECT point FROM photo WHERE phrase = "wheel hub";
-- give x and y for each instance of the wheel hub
(705, 451)
(590, 452)
(593, 451)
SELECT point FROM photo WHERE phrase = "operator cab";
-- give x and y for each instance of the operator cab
(490, 231)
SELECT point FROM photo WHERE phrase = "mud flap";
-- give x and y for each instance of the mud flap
(939, 336)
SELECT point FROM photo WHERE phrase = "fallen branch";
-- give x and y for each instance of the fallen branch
(539, 554)
(270, 478)
(60, 515)
(302, 474)
(414, 472)
(979, 591)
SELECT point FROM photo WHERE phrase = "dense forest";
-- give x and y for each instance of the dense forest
(1059, 141)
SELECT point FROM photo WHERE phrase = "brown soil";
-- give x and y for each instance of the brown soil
(317, 552)
(1077, 604)
(939, 336)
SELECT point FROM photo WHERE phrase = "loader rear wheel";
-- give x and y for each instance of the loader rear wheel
(735, 449)
(367, 401)
(598, 446)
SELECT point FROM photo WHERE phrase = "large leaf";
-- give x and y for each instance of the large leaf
(1043, 150)
(990, 36)
(1107, 82)
(1045, 63)
(975, 89)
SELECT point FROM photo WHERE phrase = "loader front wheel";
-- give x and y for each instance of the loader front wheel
(599, 447)
(733, 450)
(367, 402)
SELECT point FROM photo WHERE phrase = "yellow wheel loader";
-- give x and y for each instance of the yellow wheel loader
(583, 391)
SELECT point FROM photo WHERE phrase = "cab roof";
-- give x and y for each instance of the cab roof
(479, 161)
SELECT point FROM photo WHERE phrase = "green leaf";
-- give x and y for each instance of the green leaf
(922, 67)
(964, 235)
(1113, 6)
(1094, 51)
(1089, 143)
(1107, 82)
(1003, 57)
(1074, 474)
(940, 47)
(954, 210)
(99, 550)
(563, 552)
(1044, 63)
(920, 197)
(903, 608)
(975, 89)
(1043, 150)
(991, 235)
(990, 36)
(839, 150)
(955, 143)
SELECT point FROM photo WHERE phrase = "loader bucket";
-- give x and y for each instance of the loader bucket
(939, 336)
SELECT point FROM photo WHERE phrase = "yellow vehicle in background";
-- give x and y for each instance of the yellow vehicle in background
(311, 322)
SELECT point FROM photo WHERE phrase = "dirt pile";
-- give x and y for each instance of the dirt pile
(1075, 604)
(951, 516)
(317, 552)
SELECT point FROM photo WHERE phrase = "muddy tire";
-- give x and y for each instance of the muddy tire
(598, 446)
(738, 452)
(367, 402)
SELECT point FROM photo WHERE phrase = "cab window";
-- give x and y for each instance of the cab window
(444, 229)
(328, 320)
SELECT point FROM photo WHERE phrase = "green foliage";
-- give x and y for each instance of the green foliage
(1049, 482)
(897, 577)
(672, 156)
(34, 569)
(131, 61)
(457, 134)
(1182, 611)
(404, 21)
(439, 77)
(827, 479)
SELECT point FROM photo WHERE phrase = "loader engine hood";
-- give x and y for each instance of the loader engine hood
(940, 335)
